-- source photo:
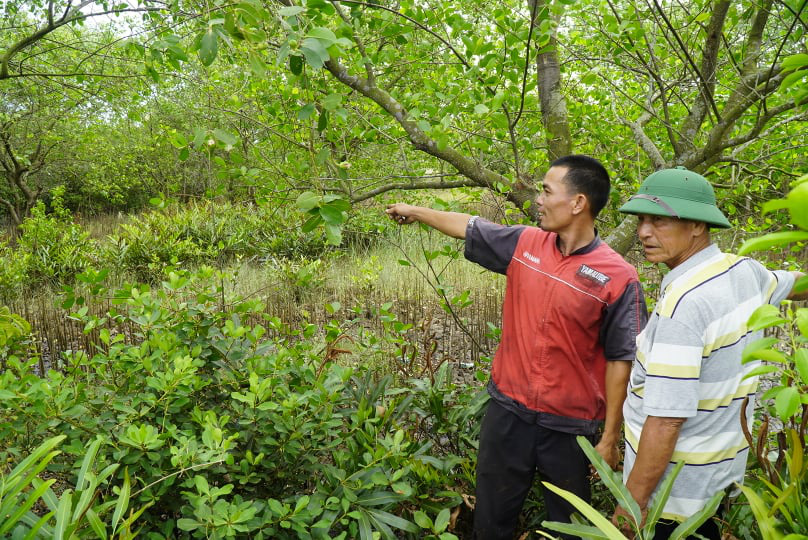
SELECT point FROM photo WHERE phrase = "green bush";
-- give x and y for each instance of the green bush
(203, 233)
(50, 250)
(225, 432)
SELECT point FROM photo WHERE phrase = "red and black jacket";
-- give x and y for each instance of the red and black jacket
(563, 318)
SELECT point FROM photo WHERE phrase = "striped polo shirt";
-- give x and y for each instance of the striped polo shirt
(689, 366)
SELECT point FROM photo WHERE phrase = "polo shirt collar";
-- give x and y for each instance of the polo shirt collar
(695, 260)
(584, 250)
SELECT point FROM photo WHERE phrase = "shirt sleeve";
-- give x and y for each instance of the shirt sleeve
(673, 368)
(622, 321)
(783, 283)
(491, 245)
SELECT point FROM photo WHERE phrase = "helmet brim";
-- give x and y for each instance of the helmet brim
(685, 209)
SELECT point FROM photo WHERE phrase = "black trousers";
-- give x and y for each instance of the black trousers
(709, 529)
(511, 452)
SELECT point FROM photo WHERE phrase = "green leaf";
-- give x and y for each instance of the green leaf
(257, 65)
(584, 508)
(296, 64)
(768, 241)
(480, 109)
(765, 522)
(305, 112)
(333, 234)
(332, 101)
(332, 215)
(311, 223)
(612, 480)
(322, 121)
(787, 402)
(801, 363)
(795, 61)
(689, 526)
(365, 532)
(208, 47)
(422, 520)
(224, 137)
(323, 35)
(290, 11)
(307, 200)
(394, 521)
(314, 52)
(442, 521)
(769, 355)
(765, 316)
(122, 503)
(758, 344)
(761, 370)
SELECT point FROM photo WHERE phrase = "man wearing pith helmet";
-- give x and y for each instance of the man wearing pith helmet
(687, 385)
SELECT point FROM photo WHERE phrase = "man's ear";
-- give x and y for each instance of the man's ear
(579, 203)
(699, 228)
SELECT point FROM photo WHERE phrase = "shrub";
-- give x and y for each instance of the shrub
(227, 433)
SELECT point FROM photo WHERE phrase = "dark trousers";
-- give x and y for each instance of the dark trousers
(511, 452)
(709, 529)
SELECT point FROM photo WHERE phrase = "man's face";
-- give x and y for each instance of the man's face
(666, 239)
(555, 201)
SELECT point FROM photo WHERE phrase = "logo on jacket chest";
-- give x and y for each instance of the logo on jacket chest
(532, 258)
(593, 276)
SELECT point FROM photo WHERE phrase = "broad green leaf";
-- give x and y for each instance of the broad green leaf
(762, 370)
(765, 316)
(332, 214)
(480, 109)
(442, 521)
(307, 200)
(324, 35)
(333, 234)
(787, 402)
(801, 363)
(314, 52)
(225, 137)
(290, 11)
(795, 61)
(258, 67)
(332, 101)
(296, 64)
(305, 112)
(762, 343)
(311, 223)
(769, 355)
(422, 520)
(122, 503)
(768, 241)
(208, 47)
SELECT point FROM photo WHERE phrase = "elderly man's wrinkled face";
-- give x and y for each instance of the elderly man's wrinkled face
(669, 240)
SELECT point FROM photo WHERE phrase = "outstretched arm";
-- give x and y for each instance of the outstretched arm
(449, 223)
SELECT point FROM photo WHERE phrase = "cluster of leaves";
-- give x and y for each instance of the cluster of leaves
(50, 250)
(225, 432)
(777, 484)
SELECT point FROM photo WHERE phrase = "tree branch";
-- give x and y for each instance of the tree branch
(441, 184)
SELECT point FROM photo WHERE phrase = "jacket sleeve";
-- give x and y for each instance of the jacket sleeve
(491, 245)
(622, 321)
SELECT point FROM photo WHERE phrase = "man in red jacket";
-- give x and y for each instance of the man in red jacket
(573, 308)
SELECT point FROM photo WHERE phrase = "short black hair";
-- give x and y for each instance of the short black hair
(588, 176)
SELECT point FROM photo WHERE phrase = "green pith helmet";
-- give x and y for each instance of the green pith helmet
(678, 193)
